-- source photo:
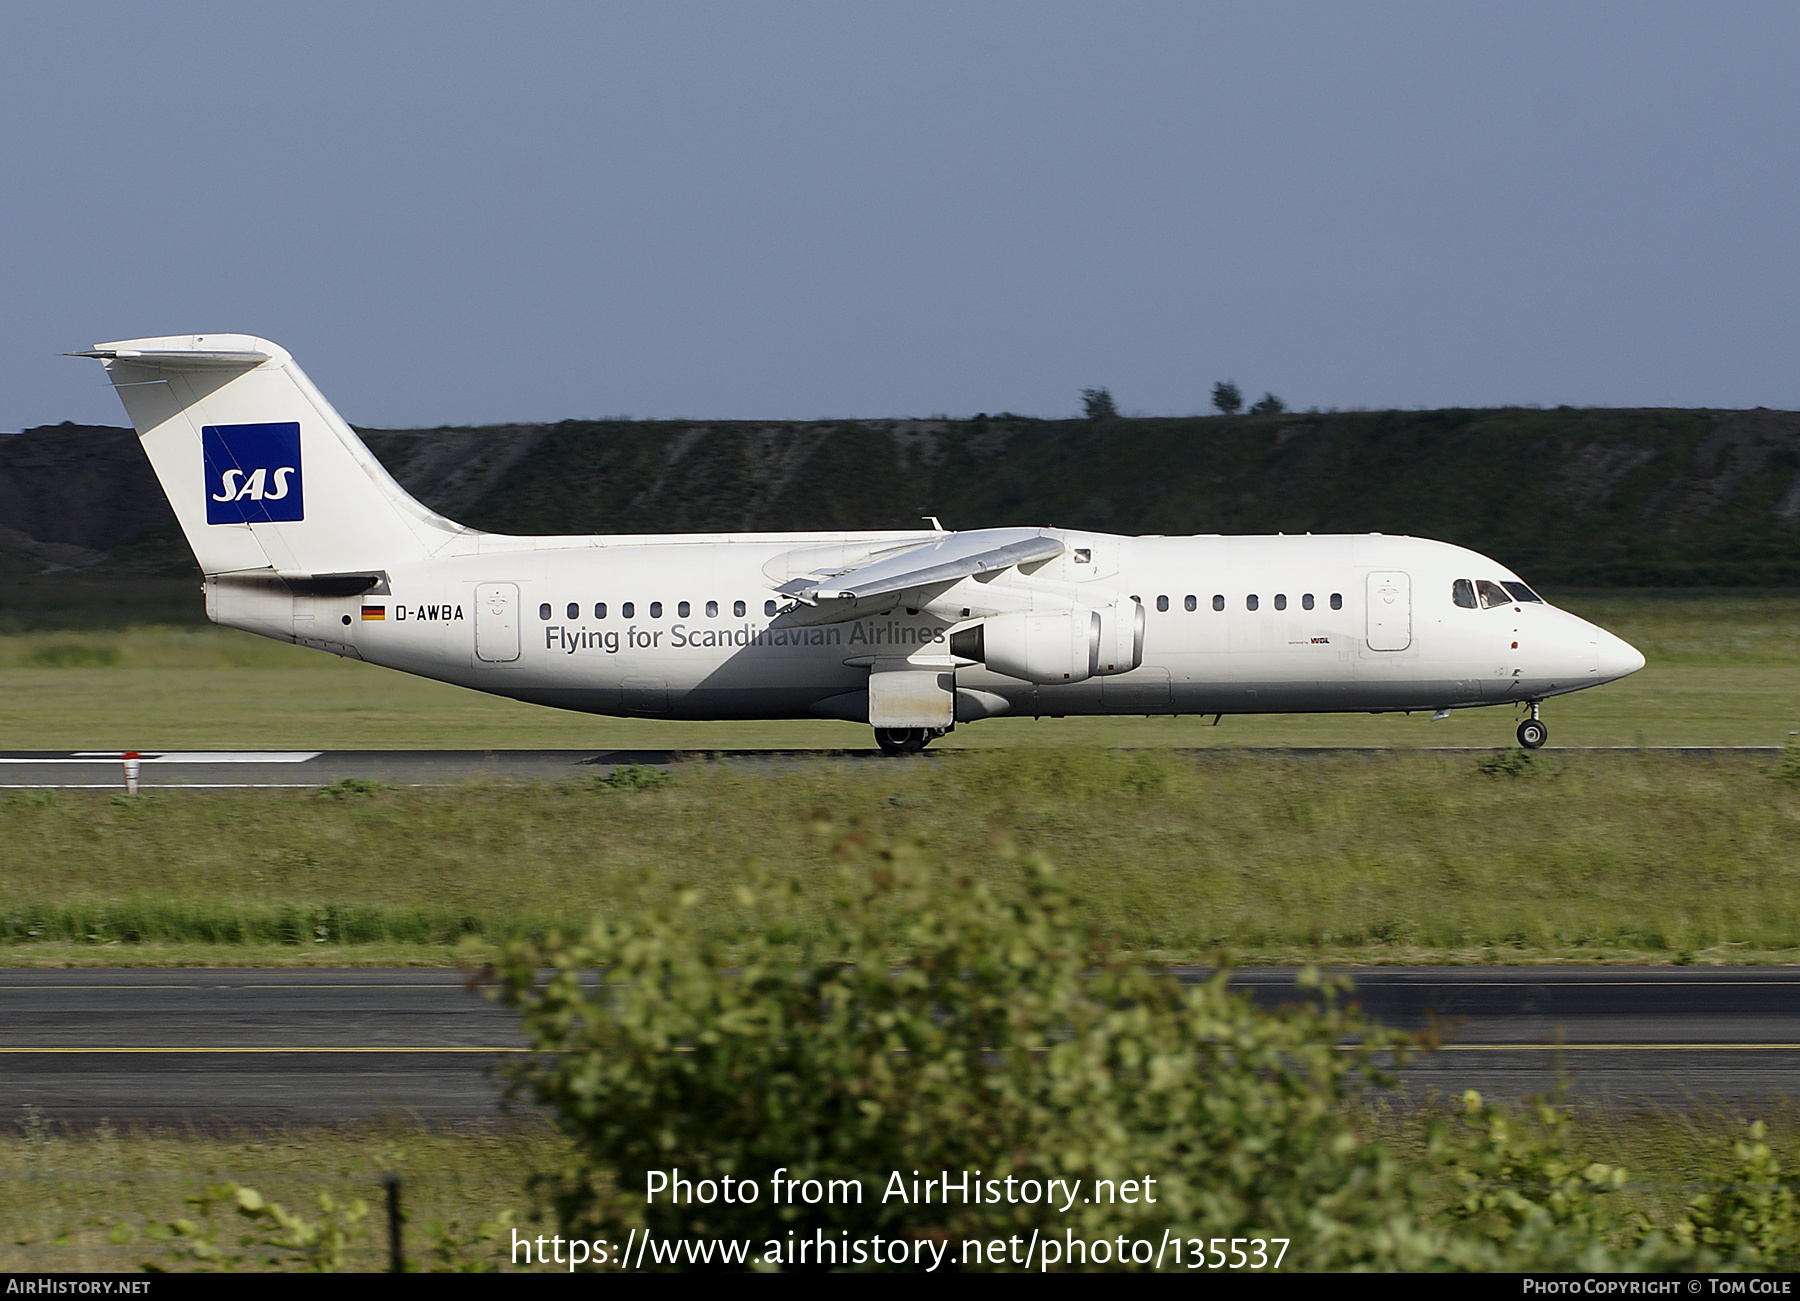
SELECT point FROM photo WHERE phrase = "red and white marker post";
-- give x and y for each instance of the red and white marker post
(131, 772)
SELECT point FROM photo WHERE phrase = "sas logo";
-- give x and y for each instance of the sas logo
(252, 473)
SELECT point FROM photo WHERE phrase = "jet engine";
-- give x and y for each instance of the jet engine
(1057, 647)
(1121, 637)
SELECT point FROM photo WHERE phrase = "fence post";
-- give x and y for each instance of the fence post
(396, 1262)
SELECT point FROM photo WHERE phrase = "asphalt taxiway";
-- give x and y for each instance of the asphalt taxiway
(216, 1048)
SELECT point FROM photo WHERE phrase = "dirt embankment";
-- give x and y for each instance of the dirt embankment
(1588, 497)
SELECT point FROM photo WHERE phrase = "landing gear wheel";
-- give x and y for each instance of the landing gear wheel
(901, 740)
(1532, 733)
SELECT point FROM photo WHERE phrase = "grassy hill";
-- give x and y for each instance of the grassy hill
(1571, 497)
(1568, 497)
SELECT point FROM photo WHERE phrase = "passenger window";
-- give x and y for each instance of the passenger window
(600, 609)
(769, 608)
(544, 610)
(1162, 605)
(1190, 605)
(1306, 602)
(1249, 602)
(712, 609)
(737, 609)
(1084, 555)
(1281, 600)
(1492, 594)
(1218, 602)
(656, 609)
(681, 611)
(628, 610)
(1462, 591)
(574, 610)
(1337, 600)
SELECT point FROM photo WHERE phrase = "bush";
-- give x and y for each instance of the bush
(936, 1028)
(272, 1237)
(1523, 1191)
(932, 1027)
(633, 777)
(1754, 1218)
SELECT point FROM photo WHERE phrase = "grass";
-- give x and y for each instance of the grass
(79, 1201)
(1406, 858)
(1722, 672)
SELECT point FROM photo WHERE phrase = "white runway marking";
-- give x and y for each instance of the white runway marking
(184, 756)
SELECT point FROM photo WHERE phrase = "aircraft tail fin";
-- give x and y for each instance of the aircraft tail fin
(261, 472)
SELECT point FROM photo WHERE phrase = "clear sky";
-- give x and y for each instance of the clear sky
(475, 213)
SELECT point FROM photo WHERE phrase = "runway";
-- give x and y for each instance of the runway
(261, 769)
(214, 1048)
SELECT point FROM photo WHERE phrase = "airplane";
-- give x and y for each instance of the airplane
(303, 536)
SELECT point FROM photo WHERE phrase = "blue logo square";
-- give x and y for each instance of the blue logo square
(252, 473)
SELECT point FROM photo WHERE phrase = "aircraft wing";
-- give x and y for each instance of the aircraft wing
(955, 557)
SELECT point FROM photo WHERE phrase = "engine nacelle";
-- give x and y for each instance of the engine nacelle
(1121, 638)
(1057, 647)
(1061, 646)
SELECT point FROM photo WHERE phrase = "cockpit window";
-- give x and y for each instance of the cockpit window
(1462, 591)
(1492, 594)
(1523, 593)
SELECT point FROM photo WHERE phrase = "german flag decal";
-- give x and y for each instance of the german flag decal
(375, 612)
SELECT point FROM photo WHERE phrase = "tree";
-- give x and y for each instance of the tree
(1227, 398)
(1098, 403)
(1268, 405)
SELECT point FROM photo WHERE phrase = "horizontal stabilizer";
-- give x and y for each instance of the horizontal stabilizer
(176, 359)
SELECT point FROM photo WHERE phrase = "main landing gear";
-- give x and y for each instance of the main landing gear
(906, 740)
(1532, 732)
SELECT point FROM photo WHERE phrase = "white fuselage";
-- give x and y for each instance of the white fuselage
(304, 536)
(682, 627)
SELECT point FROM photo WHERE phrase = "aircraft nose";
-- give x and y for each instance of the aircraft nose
(1615, 657)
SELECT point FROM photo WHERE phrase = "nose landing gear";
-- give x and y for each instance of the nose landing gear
(1532, 732)
(906, 740)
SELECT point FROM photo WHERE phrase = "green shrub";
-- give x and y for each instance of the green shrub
(1754, 1218)
(272, 1238)
(934, 1027)
(633, 777)
(1522, 1188)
